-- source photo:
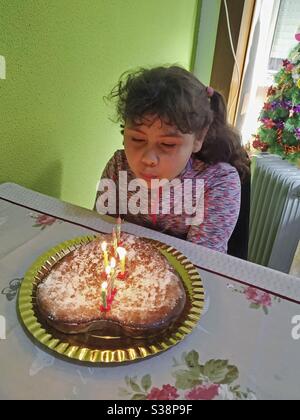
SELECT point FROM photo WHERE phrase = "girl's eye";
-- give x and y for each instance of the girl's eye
(137, 140)
(168, 145)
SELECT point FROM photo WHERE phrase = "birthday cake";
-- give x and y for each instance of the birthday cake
(139, 295)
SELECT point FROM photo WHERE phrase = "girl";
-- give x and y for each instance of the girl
(174, 127)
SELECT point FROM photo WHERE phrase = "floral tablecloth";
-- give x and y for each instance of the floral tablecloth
(246, 345)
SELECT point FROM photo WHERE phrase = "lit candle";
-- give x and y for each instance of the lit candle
(108, 271)
(115, 240)
(104, 294)
(105, 254)
(122, 255)
(112, 263)
(119, 223)
(113, 273)
(108, 279)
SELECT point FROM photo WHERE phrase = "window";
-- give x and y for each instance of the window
(274, 26)
(287, 22)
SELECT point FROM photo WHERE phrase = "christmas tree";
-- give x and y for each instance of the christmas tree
(279, 131)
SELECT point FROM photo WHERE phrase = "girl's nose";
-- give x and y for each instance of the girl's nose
(150, 159)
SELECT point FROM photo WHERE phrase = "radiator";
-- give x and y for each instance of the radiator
(274, 212)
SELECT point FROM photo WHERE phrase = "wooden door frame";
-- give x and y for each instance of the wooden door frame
(224, 75)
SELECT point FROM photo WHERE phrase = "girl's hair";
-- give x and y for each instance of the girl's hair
(179, 98)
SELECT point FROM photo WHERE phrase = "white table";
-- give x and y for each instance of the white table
(247, 321)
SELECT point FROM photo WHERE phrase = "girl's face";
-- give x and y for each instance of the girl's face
(158, 150)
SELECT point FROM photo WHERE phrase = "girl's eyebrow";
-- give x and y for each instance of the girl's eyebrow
(135, 129)
(170, 134)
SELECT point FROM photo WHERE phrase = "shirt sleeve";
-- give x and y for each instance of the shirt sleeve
(110, 171)
(222, 197)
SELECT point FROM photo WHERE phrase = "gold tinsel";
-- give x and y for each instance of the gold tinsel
(287, 149)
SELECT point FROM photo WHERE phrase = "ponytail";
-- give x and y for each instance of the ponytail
(218, 105)
(222, 142)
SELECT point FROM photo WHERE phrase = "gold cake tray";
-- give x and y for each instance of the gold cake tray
(95, 348)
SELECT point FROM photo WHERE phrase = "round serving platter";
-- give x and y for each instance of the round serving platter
(95, 348)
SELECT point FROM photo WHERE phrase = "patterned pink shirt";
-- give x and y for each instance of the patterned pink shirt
(222, 194)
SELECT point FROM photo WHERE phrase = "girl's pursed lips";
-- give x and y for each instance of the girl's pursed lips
(148, 176)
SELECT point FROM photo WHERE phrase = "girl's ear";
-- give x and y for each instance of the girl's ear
(198, 142)
(197, 145)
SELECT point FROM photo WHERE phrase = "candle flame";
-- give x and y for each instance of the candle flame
(104, 285)
(104, 246)
(121, 252)
(108, 269)
(112, 262)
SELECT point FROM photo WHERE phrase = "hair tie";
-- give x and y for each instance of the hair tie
(210, 91)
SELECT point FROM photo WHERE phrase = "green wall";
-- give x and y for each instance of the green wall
(206, 39)
(62, 57)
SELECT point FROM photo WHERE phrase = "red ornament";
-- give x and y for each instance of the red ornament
(260, 145)
(271, 91)
(268, 123)
(289, 68)
(267, 106)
